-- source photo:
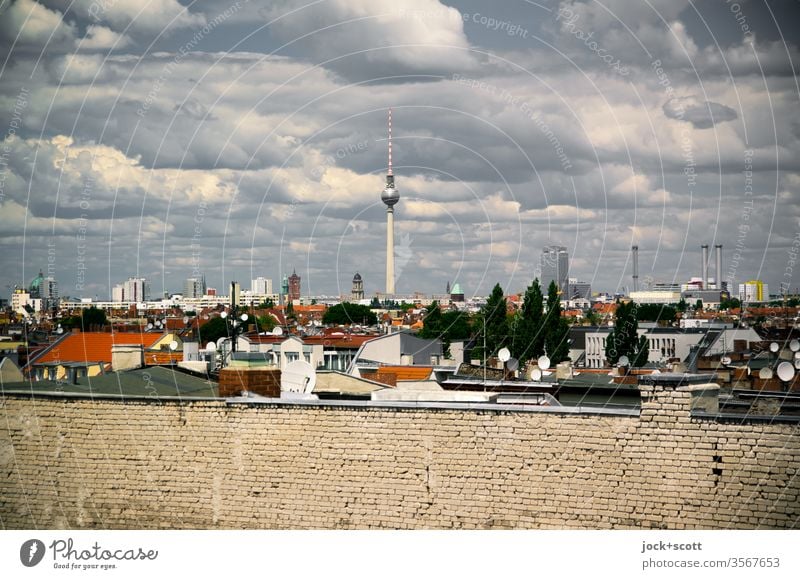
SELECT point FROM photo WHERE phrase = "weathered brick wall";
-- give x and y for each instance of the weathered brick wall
(77, 463)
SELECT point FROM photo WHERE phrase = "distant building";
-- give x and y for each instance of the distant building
(261, 286)
(294, 287)
(357, 292)
(580, 290)
(555, 267)
(754, 290)
(457, 294)
(194, 287)
(22, 303)
(656, 297)
(236, 294)
(135, 289)
(211, 291)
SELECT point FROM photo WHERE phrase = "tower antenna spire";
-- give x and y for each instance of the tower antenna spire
(390, 141)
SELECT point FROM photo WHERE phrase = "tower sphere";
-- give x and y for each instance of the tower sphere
(390, 196)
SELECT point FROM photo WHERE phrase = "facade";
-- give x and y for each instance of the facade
(294, 286)
(135, 289)
(555, 267)
(656, 297)
(21, 302)
(710, 298)
(357, 293)
(754, 290)
(45, 289)
(581, 290)
(261, 286)
(194, 287)
(398, 349)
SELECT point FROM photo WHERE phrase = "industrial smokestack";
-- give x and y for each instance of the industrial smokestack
(718, 251)
(705, 265)
(635, 250)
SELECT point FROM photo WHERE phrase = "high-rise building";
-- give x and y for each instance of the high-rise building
(261, 286)
(555, 267)
(754, 290)
(390, 197)
(357, 293)
(135, 289)
(45, 289)
(579, 289)
(194, 287)
(294, 286)
(236, 294)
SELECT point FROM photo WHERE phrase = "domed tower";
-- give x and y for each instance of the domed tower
(358, 288)
(390, 197)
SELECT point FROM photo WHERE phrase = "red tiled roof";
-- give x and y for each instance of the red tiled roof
(94, 346)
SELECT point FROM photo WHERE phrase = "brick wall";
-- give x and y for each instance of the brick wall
(262, 381)
(78, 463)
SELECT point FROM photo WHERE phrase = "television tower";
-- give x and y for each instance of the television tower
(390, 197)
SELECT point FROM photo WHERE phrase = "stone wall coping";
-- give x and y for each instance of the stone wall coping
(745, 418)
(710, 387)
(349, 404)
(675, 379)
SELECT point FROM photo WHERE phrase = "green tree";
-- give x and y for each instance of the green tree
(213, 330)
(432, 326)
(265, 323)
(492, 324)
(347, 313)
(528, 335)
(375, 304)
(730, 304)
(266, 304)
(682, 306)
(93, 319)
(556, 328)
(698, 305)
(624, 339)
(655, 313)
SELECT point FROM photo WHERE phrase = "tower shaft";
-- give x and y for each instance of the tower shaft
(390, 250)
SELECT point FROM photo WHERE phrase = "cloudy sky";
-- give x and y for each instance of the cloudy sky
(162, 139)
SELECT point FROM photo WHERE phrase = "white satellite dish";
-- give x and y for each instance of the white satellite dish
(211, 347)
(244, 317)
(298, 377)
(536, 374)
(173, 345)
(726, 360)
(59, 329)
(765, 373)
(223, 315)
(504, 354)
(513, 364)
(277, 331)
(543, 362)
(164, 321)
(797, 363)
(185, 319)
(796, 355)
(149, 326)
(785, 371)
(794, 345)
(624, 361)
(220, 342)
(774, 347)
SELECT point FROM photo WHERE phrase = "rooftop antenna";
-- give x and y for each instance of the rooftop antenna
(389, 172)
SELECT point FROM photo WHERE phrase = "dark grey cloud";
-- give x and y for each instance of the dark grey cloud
(702, 114)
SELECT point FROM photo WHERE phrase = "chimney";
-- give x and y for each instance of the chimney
(126, 357)
(704, 270)
(635, 250)
(718, 251)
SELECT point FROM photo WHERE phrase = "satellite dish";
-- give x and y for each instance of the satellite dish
(513, 364)
(59, 330)
(149, 326)
(794, 345)
(220, 342)
(624, 361)
(244, 317)
(765, 373)
(298, 377)
(543, 362)
(164, 321)
(173, 345)
(185, 319)
(785, 371)
(536, 375)
(774, 347)
(797, 363)
(211, 347)
(277, 331)
(504, 354)
(223, 315)
(726, 360)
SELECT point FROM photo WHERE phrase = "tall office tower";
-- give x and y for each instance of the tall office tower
(555, 267)
(294, 286)
(194, 287)
(261, 286)
(390, 197)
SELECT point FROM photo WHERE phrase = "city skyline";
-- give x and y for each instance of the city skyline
(515, 133)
